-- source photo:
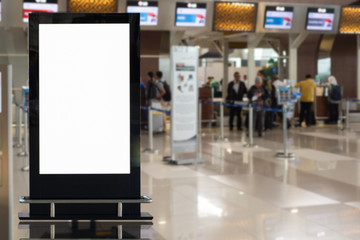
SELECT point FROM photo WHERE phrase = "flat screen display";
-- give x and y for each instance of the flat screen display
(321, 19)
(148, 11)
(278, 17)
(190, 14)
(84, 72)
(0, 11)
(46, 6)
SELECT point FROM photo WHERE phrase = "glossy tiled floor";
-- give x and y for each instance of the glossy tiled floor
(244, 194)
(240, 193)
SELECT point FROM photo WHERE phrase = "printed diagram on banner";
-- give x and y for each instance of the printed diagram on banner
(184, 101)
(185, 78)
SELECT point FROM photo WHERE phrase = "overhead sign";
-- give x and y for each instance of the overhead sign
(148, 11)
(321, 19)
(190, 14)
(278, 17)
(82, 68)
(46, 6)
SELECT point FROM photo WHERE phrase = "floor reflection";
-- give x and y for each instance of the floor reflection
(88, 230)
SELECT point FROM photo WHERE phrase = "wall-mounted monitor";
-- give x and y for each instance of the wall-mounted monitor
(0, 10)
(148, 11)
(45, 6)
(190, 14)
(320, 19)
(278, 17)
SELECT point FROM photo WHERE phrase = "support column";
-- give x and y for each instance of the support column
(295, 41)
(176, 37)
(251, 74)
(253, 42)
(358, 66)
(226, 67)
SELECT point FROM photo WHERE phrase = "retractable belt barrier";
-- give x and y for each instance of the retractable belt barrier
(156, 109)
(353, 100)
(250, 107)
(222, 105)
(243, 106)
(347, 119)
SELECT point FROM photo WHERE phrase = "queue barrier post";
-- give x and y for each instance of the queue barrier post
(286, 153)
(251, 128)
(150, 131)
(199, 117)
(347, 126)
(17, 142)
(222, 137)
(24, 152)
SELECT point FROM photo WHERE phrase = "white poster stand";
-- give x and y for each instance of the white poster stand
(184, 104)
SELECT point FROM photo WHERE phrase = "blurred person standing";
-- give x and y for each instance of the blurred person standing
(334, 98)
(212, 83)
(155, 90)
(307, 89)
(235, 93)
(257, 96)
(166, 93)
(270, 102)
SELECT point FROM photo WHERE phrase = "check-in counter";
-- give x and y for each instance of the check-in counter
(320, 106)
(207, 110)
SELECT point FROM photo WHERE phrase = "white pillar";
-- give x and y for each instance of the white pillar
(253, 42)
(358, 66)
(226, 67)
(293, 57)
(295, 41)
(251, 67)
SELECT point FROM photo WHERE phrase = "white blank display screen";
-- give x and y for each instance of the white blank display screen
(84, 99)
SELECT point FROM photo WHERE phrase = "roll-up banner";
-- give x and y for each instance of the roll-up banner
(184, 114)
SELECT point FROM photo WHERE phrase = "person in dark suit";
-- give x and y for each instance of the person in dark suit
(235, 93)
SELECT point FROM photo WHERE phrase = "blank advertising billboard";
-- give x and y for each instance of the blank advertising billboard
(84, 94)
